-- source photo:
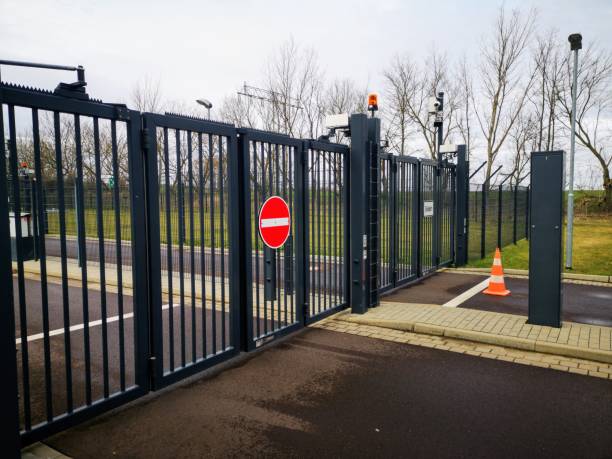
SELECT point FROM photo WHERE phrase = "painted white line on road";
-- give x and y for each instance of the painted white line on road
(466, 295)
(77, 327)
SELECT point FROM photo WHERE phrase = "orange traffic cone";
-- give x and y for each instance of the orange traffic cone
(496, 281)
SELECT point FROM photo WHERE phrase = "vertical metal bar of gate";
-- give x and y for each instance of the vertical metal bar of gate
(8, 353)
(392, 237)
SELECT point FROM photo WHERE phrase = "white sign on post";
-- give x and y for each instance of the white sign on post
(428, 208)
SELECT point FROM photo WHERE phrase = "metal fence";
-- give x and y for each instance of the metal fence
(417, 218)
(136, 252)
(497, 217)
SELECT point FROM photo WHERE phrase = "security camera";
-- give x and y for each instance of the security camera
(434, 105)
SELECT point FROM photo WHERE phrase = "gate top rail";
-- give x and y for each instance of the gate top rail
(328, 146)
(176, 121)
(269, 137)
(42, 99)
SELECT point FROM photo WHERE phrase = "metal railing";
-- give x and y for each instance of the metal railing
(497, 217)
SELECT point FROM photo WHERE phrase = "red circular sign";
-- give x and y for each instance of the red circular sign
(274, 222)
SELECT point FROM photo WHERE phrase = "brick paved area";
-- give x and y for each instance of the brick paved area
(522, 357)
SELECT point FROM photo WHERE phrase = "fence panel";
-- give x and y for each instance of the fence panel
(429, 209)
(446, 216)
(406, 219)
(82, 343)
(475, 215)
(386, 222)
(506, 222)
(189, 182)
(326, 228)
(270, 170)
(497, 217)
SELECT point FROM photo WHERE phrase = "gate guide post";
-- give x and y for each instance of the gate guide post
(546, 229)
(358, 213)
(463, 189)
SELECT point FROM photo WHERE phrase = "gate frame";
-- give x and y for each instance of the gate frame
(305, 245)
(47, 101)
(150, 123)
(248, 341)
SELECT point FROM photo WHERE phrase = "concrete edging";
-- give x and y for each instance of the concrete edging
(481, 337)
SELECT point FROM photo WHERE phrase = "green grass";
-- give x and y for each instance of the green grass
(592, 251)
(321, 234)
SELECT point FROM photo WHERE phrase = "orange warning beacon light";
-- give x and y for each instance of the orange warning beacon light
(372, 102)
(496, 281)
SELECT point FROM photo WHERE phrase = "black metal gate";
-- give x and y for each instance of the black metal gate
(81, 304)
(136, 255)
(192, 217)
(271, 164)
(417, 218)
(306, 279)
(326, 260)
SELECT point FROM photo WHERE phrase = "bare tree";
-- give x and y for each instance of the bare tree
(408, 88)
(593, 109)
(548, 66)
(295, 83)
(465, 91)
(146, 95)
(400, 80)
(504, 87)
(343, 96)
(524, 136)
(239, 111)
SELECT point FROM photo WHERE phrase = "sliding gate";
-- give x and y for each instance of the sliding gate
(136, 254)
(80, 300)
(306, 279)
(417, 218)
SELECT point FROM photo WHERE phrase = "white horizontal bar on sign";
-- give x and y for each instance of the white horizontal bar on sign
(271, 222)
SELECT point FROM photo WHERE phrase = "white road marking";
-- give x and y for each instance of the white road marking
(77, 327)
(466, 295)
(273, 222)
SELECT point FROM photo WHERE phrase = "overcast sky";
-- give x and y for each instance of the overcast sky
(209, 48)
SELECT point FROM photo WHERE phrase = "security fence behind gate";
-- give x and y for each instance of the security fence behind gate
(417, 218)
(497, 217)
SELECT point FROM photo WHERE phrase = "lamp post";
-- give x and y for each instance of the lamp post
(575, 40)
(206, 104)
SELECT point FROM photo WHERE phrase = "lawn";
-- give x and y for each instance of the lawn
(592, 252)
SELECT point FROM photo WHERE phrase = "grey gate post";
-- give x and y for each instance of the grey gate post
(545, 246)
(361, 240)
(463, 190)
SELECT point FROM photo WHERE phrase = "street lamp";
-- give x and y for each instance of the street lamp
(206, 103)
(575, 40)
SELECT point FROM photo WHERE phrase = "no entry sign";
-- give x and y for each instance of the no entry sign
(274, 222)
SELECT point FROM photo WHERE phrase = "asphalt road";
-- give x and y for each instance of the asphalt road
(324, 272)
(581, 303)
(585, 304)
(57, 345)
(327, 394)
